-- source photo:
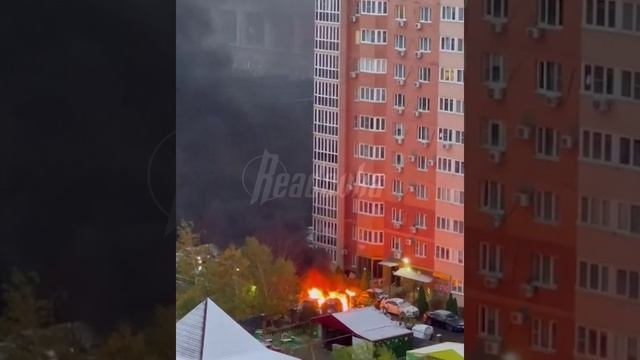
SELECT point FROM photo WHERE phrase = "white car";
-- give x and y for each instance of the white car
(399, 307)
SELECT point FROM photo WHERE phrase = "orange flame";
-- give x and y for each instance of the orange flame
(321, 296)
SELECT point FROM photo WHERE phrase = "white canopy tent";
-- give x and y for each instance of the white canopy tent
(208, 333)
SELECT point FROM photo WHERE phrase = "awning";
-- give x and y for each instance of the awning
(389, 263)
(409, 273)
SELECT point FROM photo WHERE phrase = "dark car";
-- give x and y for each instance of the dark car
(445, 320)
(331, 306)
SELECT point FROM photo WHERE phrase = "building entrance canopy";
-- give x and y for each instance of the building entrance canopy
(409, 273)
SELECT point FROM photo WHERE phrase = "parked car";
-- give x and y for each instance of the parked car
(422, 331)
(445, 320)
(397, 306)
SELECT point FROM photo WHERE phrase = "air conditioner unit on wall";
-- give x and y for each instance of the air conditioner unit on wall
(492, 347)
(397, 254)
(496, 93)
(409, 242)
(528, 290)
(417, 113)
(517, 318)
(495, 156)
(400, 110)
(446, 145)
(417, 84)
(401, 82)
(535, 32)
(400, 22)
(353, 74)
(490, 282)
(399, 140)
(523, 132)
(418, 26)
(418, 54)
(602, 104)
(497, 26)
(523, 198)
(552, 99)
(413, 229)
(402, 52)
(412, 158)
(354, 18)
(566, 142)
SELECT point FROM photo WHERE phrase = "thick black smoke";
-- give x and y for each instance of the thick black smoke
(224, 119)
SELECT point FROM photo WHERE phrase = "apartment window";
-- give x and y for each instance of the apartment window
(399, 71)
(628, 151)
(370, 236)
(546, 142)
(600, 13)
(592, 342)
(421, 221)
(490, 258)
(630, 82)
(371, 180)
(443, 253)
(424, 44)
(496, 9)
(421, 163)
(460, 257)
(398, 130)
(400, 42)
(399, 101)
(549, 77)
(425, 14)
(423, 133)
(326, 65)
(453, 136)
(594, 277)
(371, 123)
(545, 206)
(400, 12)
(421, 192)
(544, 270)
(450, 105)
(628, 284)
(396, 215)
(373, 7)
(451, 44)
(423, 104)
(398, 159)
(550, 12)
(598, 79)
(366, 151)
(494, 69)
(368, 94)
(424, 74)
(597, 146)
(397, 187)
(373, 66)
(451, 166)
(396, 243)
(489, 321)
(629, 218)
(452, 75)
(631, 16)
(452, 13)
(458, 226)
(494, 136)
(543, 334)
(595, 212)
(492, 196)
(370, 208)
(452, 196)
(421, 249)
(457, 287)
(373, 36)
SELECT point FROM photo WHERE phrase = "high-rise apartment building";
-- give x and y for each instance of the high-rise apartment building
(553, 216)
(388, 137)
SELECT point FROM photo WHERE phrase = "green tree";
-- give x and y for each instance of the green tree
(190, 255)
(124, 344)
(274, 282)
(228, 282)
(421, 301)
(384, 353)
(456, 307)
(23, 309)
(160, 337)
(452, 305)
